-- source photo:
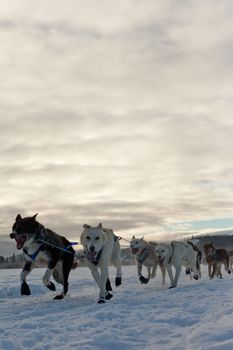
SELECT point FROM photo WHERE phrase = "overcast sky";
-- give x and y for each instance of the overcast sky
(116, 111)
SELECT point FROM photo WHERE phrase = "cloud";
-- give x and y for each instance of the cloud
(116, 112)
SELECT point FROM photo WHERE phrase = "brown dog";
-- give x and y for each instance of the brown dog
(215, 258)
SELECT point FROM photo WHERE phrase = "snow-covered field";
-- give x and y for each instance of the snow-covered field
(196, 315)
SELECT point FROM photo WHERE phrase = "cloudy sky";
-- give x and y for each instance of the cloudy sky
(116, 111)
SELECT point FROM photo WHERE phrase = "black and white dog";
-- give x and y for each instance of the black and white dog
(37, 242)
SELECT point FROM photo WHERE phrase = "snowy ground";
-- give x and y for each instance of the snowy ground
(196, 315)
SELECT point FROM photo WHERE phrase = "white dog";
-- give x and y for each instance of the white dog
(145, 256)
(177, 254)
(101, 245)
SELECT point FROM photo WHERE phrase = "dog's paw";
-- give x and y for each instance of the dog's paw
(108, 296)
(143, 280)
(58, 297)
(118, 281)
(101, 301)
(187, 271)
(51, 286)
(25, 290)
(172, 287)
(195, 277)
(229, 271)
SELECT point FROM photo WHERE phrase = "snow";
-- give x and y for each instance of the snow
(195, 315)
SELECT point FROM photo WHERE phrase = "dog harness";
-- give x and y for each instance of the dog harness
(33, 255)
(144, 254)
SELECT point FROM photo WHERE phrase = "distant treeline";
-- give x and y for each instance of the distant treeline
(17, 261)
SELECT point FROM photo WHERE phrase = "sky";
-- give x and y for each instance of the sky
(116, 112)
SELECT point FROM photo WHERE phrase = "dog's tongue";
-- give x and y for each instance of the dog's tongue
(92, 254)
(20, 241)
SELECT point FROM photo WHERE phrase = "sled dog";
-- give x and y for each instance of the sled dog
(193, 244)
(145, 256)
(40, 242)
(176, 254)
(215, 258)
(100, 245)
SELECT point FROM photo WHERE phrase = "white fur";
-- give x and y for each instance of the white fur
(176, 254)
(138, 246)
(103, 240)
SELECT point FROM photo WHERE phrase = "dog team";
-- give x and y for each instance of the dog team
(100, 246)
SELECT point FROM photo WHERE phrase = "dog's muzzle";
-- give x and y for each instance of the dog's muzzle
(134, 250)
(12, 235)
(20, 240)
(161, 260)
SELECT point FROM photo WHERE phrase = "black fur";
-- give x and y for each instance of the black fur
(56, 249)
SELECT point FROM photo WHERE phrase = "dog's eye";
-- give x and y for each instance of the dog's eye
(162, 251)
(96, 238)
(156, 251)
(88, 238)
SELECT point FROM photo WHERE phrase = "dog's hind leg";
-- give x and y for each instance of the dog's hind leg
(226, 264)
(177, 275)
(116, 259)
(25, 290)
(67, 264)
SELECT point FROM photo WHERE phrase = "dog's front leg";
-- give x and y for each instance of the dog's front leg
(103, 279)
(142, 279)
(169, 271)
(25, 290)
(154, 269)
(46, 278)
(209, 270)
(213, 271)
(96, 275)
(163, 272)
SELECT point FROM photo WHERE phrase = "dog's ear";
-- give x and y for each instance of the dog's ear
(34, 217)
(100, 226)
(86, 226)
(18, 217)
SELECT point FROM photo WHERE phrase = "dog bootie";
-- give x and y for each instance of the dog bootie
(108, 285)
(118, 281)
(51, 286)
(143, 280)
(25, 290)
(101, 301)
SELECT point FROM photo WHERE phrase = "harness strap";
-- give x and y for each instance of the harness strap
(64, 249)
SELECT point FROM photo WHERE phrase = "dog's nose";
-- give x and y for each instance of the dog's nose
(92, 248)
(12, 235)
